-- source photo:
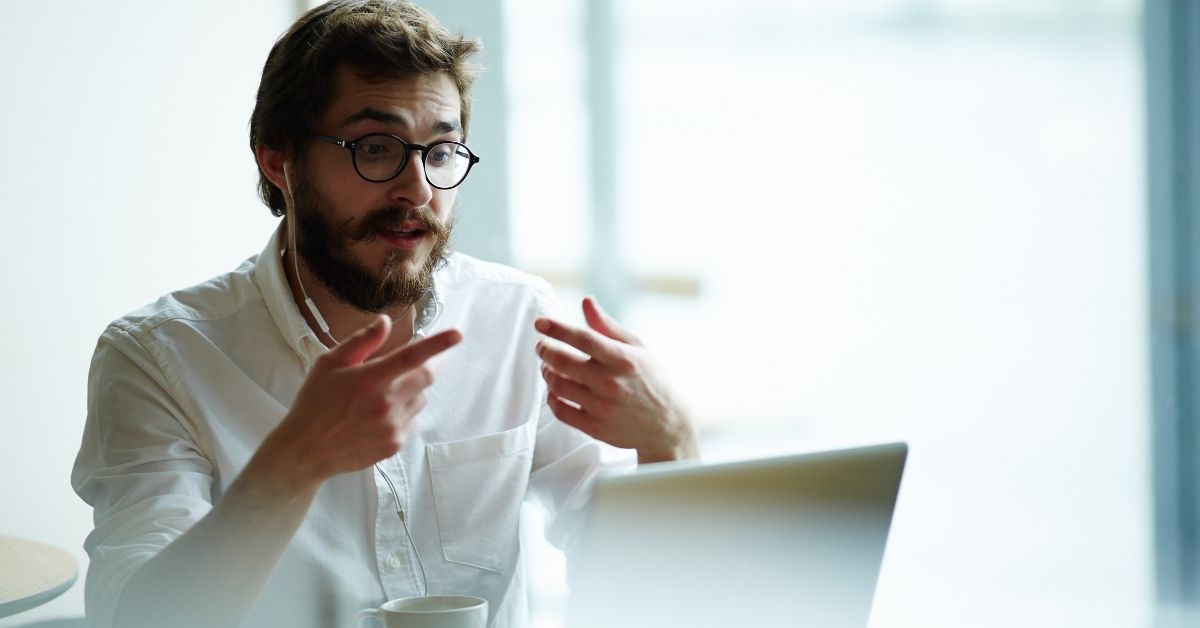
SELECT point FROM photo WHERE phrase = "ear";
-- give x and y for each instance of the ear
(273, 163)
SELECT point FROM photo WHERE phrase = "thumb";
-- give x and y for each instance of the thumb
(364, 343)
(600, 321)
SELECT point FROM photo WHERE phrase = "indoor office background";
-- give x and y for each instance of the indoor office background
(835, 222)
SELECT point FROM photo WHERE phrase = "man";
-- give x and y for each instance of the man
(354, 414)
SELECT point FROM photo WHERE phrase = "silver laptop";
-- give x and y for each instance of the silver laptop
(791, 541)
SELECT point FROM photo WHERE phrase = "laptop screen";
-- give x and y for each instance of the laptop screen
(788, 541)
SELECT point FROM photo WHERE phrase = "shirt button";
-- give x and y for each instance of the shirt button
(393, 562)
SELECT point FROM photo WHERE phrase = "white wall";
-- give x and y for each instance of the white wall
(125, 172)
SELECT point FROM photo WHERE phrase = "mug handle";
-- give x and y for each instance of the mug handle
(370, 612)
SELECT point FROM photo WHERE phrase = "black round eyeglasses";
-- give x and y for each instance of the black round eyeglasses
(380, 157)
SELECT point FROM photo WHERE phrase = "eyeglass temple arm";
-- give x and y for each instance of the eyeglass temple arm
(348, 145)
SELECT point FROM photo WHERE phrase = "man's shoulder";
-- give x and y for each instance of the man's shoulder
(217, 298)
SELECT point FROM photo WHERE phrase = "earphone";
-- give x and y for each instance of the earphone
(312, 307)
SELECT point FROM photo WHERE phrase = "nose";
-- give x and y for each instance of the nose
(410, 187)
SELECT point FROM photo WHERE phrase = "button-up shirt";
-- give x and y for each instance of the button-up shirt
(182, 392)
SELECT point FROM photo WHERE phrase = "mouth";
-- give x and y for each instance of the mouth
(407, 239)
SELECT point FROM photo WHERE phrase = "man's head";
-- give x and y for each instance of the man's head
(344, 70)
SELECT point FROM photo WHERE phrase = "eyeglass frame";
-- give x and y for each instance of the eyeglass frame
(352, 146)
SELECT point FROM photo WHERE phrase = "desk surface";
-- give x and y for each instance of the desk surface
(32, 574)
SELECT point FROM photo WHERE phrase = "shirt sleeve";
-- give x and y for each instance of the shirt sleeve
(139, 468)
(567, 461)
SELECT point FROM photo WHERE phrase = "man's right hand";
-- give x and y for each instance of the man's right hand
(356, 408)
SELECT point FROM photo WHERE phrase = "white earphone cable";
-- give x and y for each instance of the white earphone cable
(312, 307)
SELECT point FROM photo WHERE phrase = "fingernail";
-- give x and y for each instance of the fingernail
(538, 347)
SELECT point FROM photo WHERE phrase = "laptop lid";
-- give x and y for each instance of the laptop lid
(788, 541)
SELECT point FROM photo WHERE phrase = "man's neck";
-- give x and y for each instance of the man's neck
(343, 320)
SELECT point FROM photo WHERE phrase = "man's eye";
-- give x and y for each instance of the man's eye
(374, 150)
(440, 156)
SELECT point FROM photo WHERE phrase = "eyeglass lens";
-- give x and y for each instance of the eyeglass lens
(380, 157)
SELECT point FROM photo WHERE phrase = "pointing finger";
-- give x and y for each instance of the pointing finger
(412, 355)
(360, 346)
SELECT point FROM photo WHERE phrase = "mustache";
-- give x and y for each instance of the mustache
(391, 218)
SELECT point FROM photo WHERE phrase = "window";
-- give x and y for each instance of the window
(917, 220)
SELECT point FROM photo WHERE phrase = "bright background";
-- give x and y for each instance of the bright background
(859, 221)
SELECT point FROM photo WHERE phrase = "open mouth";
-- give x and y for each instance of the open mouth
(403, 238)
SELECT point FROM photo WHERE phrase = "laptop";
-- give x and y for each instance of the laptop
(790, 541)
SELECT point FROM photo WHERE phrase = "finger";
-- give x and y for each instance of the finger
(576, 367)
(364, 343)
(413, 355)
(602, 349)
(571, 415)
(567, 388)
(407, 409)
(411, 383)
(602, 322)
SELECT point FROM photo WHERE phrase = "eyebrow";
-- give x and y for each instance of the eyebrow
(369, 113)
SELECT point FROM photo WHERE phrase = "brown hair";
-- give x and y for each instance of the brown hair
(376, 38)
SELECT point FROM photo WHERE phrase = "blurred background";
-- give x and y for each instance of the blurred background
(834, 222)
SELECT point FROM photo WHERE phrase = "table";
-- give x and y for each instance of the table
(32, 574)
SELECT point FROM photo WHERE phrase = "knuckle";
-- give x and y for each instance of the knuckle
(389, 432)
(613, 388)
(379, 409)
(625, 364)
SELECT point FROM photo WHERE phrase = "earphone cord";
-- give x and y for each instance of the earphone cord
(312, 307)
(403, 522)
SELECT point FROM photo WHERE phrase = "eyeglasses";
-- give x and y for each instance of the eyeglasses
(380, 157)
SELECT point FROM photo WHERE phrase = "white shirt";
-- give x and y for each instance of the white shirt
(182, 392)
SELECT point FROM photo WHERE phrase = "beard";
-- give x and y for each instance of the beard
(324, 245)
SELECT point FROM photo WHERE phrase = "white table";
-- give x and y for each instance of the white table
(32, 574)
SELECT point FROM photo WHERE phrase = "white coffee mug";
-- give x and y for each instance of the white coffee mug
(431, 611)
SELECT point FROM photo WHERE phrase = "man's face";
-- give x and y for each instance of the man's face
(376, 245)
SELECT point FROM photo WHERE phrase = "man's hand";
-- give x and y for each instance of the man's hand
(617, 393)
(356, 408)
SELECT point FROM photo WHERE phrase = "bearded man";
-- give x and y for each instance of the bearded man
(277, 447)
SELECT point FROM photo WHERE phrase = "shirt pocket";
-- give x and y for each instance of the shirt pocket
(478, 486)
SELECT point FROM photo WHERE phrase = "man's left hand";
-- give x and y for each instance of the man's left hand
(615, 392)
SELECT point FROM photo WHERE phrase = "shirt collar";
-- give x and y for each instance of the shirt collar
(269, 274)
